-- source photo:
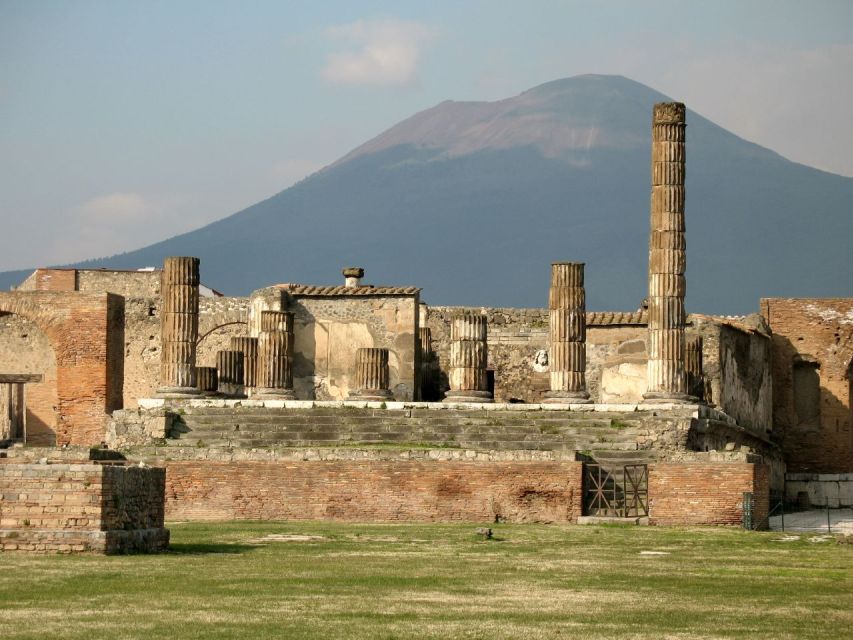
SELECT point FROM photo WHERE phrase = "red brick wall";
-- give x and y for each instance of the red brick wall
(56, 280)
(374, 490)
(79, 329)
(707, 493)
(821, 329)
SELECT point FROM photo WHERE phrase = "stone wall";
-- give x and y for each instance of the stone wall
(833, 490)
(69, 507)
(24, 348)
(812, 353)
(375, 490)
(81, 330)
(329, 329)
(707, 493)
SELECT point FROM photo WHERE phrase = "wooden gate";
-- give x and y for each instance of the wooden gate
(620, 492)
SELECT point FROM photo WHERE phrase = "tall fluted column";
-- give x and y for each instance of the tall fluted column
(230, 371)
(207, 380)
(178, 327)
(567, 314)
(249, 347)
(468, 359)
(275, 356)
(695, 377)
(667, 376)
(371, 375)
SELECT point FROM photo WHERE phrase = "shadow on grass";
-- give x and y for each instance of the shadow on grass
(205, 549)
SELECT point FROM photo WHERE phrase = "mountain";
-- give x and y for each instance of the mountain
(473, 200)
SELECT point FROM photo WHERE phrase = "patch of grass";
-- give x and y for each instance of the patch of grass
(335, 580)
(615, 423)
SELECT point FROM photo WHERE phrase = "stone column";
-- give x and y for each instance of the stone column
(229, 370)
(695, 378)
(667, 376)
(468, 359)
(249, 347)
(178, 327)
(371, 375)
(275, 356)
(207, 381)
(567, 315)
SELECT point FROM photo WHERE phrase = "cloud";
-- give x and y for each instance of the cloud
(382, 52)
(113, 208)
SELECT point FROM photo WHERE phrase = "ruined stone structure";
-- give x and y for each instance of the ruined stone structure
(371, 375)
(179, 327)
(567, 319)
(667, 377)
(275, 355)
(708, 407)
(468, 359)
(230, 372)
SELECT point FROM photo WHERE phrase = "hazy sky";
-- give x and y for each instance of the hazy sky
(126, 122)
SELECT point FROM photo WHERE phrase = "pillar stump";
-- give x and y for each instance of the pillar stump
(371, 375)
(468, 359)
(249, 347)
(230, 372)
(667, 375)
(178, 327)
(567, 318)
(207, 382)
(275, 356)
(694, 367)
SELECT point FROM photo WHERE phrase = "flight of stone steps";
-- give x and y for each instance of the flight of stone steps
(613, 435)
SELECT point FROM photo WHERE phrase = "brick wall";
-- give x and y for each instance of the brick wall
(706, 493)
(55, 280)
(81, 507)
(818, 331)
(374, 490)
(78, 328)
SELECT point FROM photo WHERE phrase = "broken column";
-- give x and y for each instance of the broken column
(249, 347)
(693, 366)
(667, 376)
(467, 373)
(230, 373)
(207, 382)
(275, 356)
(567, 315)
(371, 375)
(178, 327)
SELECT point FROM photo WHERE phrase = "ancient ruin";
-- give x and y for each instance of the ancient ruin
(361, 402)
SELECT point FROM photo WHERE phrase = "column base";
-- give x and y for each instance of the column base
(655, 397)
(467, 396)
(566, 397)
(271, 393)
(371, 395)
(177, 392)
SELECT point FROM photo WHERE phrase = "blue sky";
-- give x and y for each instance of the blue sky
(125, 122)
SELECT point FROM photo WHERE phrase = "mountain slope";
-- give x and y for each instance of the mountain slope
(472, 201)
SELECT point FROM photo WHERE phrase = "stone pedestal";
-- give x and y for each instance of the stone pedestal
(667, 375)
(249, 347)
(230, 371)
(275, 356)
(371, 375)
(567, 315)
(178, 327)
(207, 382)
(467, 373)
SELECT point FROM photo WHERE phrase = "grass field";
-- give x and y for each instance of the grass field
(325, 580)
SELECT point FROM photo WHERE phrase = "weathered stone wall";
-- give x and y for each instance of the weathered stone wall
(130, 284)
(24, 348)
(833, 490)
(813, 336)
(219, 319)
(80, 328)
(707, 493)
(375, 490)
(329, 329)
(71, 507)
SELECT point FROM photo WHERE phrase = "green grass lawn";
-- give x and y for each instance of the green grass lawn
(329, 580)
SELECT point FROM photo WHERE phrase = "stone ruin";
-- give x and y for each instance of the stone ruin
(362, 402)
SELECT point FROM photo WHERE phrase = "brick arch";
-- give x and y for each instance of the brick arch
(216, 338)
(84, 332)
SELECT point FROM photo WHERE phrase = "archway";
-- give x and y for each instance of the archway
(217, 339)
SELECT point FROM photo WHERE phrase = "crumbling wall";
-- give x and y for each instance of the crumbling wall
(815, 336)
